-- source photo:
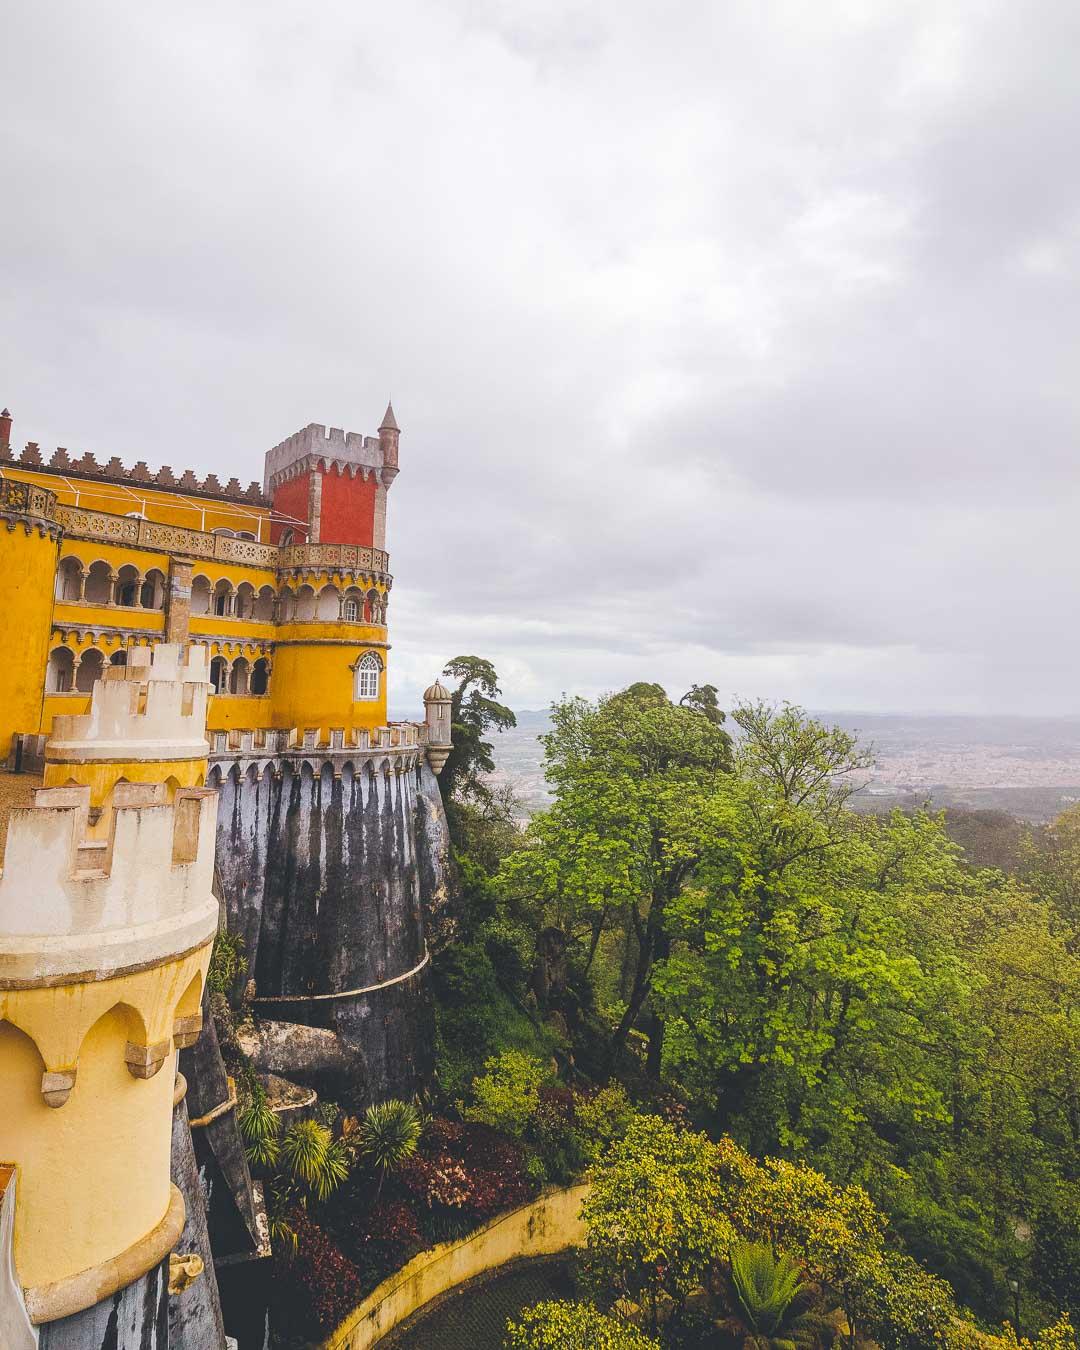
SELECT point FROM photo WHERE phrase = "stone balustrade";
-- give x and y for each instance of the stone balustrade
(82, 523)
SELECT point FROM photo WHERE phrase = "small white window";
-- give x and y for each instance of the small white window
(367, 677)
(351, 612)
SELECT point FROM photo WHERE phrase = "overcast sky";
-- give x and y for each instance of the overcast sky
(729, 341)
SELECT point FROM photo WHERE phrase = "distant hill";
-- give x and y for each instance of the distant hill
(1025, 767)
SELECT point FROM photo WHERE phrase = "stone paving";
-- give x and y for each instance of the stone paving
(476, 1317)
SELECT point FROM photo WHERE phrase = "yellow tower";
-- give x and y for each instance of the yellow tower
(28, 551)
(105, 939)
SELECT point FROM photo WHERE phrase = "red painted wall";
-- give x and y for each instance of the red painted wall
(291, 499)
(348, 509)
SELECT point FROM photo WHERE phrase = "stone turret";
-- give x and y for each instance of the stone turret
(437, 703)
(389, 431)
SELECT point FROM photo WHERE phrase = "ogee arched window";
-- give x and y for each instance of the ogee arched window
(367, 677)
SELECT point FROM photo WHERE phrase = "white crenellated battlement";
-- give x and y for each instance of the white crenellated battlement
(70, 903)
(154, 708)
(345, 447)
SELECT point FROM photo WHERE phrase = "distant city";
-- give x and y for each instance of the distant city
(1027, 766)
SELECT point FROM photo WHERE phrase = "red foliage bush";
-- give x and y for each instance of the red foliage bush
(468, 1169)
(394, 1221)
(318, 1287)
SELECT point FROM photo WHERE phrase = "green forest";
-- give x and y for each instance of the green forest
(821, 1067)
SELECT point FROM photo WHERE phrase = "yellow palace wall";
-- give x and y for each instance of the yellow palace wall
(28, 565)
(312, 663)
(169, 507)
(93, 1173)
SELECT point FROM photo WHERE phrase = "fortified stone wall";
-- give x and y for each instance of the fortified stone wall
(327, 864)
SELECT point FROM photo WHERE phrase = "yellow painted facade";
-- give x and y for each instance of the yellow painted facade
(286, 630)
(93, 1175)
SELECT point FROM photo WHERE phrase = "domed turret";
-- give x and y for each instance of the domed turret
(437, 701)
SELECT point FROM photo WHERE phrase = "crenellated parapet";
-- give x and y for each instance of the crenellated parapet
(151, 708)
(77, 907)
(60, 462)
(391, 749)
(315, 446)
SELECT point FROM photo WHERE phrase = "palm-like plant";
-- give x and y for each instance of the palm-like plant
(259, 1126)
(388, 1136)
(772, 1305)
(314, 1157)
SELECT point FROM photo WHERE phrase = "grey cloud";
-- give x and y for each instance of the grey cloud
(728, 341)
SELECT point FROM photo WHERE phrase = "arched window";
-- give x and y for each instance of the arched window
(60, 676)
(68, 576)
(128, 586)
(218, 667)
(367, 677)
(223, 598)
(351, 611)
(260, 676)
(118, 658)
(89, 672)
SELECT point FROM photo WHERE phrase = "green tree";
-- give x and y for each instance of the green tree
(474, 713)
(655, 1217)
(573, 1326)
(311, 1154)
(632, 775)
(703, 698)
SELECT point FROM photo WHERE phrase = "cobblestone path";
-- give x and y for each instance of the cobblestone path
(475, 1319)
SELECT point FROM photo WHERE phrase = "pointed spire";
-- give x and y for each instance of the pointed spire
(389, 422)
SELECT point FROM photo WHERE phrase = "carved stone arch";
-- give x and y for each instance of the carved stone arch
(187, 1015)
(213, 778)
(23, 1062)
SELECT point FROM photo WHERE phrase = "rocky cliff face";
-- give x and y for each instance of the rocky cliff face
(327, 869)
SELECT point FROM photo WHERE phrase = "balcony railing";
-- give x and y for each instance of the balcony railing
(347, 557)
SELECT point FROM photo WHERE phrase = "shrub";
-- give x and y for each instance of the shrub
(388, 1136)
(655, 1216)
(314, 1157)
(573, 1326)
(318, 1287)
(508, 1092)
(258, 1124)
(553, 1131)
(603, 1116)
(227, 962)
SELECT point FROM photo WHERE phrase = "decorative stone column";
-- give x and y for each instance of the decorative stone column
(178, 600)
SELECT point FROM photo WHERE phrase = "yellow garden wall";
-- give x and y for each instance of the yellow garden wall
(547, 1226)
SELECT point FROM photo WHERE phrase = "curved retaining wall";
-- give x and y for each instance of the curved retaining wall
(547, 1226)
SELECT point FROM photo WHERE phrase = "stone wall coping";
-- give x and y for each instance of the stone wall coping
(548, 1225)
